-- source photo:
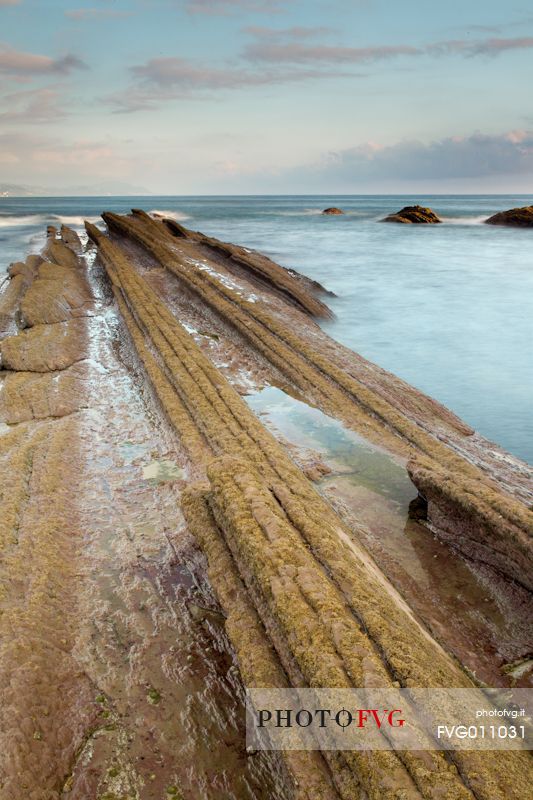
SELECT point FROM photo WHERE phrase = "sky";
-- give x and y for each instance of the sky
(267, 96)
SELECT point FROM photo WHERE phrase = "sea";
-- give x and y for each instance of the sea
(447, 307)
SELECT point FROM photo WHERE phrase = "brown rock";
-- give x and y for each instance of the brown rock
(333, 211)
(57, 294)
(515, 217)
(44, 348)
(71, 238)
(315, 470)
(414, 214)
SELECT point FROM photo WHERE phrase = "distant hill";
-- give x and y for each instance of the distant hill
(105, 188)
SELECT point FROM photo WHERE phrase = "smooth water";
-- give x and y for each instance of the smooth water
(447, 307)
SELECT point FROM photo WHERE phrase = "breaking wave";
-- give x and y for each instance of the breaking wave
(179, 216)
(479, 220)
(20, 222)
(30, 220)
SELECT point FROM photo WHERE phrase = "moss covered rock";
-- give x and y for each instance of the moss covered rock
(516, 217)
(414, 214)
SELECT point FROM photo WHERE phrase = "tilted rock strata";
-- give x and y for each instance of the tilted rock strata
(56, 294)
(44, 348)
(27, 396)
(256, 264)
(47, 700)
(258, 661)
(339, 394)
(304, 573)
(19, 277)
(506, 548)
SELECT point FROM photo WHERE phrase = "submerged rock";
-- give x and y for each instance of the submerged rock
(414, 214)
(516, 217)
(333, 211)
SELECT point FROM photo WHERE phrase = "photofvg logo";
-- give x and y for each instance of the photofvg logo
(324, 717)
(389, 719)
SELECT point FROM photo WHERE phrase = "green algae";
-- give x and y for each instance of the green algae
(162, 472)
(153, 696)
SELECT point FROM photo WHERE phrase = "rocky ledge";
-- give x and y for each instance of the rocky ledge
(414, 214)
(515, 217)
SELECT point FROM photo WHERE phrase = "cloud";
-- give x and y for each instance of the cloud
(297, 53)
(187, 75)
(164, 79)
(487, 47)
(296, 32)
(288, 46)
(33, 106)
(476, 156)
(224, 7)
(278, 56)
(14, 62)
(80, 14)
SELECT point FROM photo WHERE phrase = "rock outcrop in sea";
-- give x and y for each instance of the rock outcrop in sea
(415, 215)
(514, 217)
(333, 211)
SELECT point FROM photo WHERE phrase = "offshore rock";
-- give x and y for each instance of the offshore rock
(414, 214)
(333, 211)
(515, 217)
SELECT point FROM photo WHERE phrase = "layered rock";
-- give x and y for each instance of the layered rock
(304, 576)
(367, 408)
(297, 289)
(414, 215)
(19, 278)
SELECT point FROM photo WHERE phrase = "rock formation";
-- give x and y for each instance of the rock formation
(415, 215)
(332, 211)
(515, 217)
(305, 602)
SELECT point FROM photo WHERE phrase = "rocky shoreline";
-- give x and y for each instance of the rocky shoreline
(161, 331)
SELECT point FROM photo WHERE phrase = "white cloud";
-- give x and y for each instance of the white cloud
(17, 63)
(476, 156)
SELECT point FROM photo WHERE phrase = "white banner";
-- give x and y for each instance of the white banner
(389, 719)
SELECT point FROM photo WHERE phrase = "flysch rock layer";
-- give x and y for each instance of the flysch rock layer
(111, 683)
(321, 584)
(375, 404)
(118, 678)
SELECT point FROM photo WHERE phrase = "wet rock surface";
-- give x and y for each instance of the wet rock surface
(333, 211)
(414, 215)
(141, 486)
(110, 686)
